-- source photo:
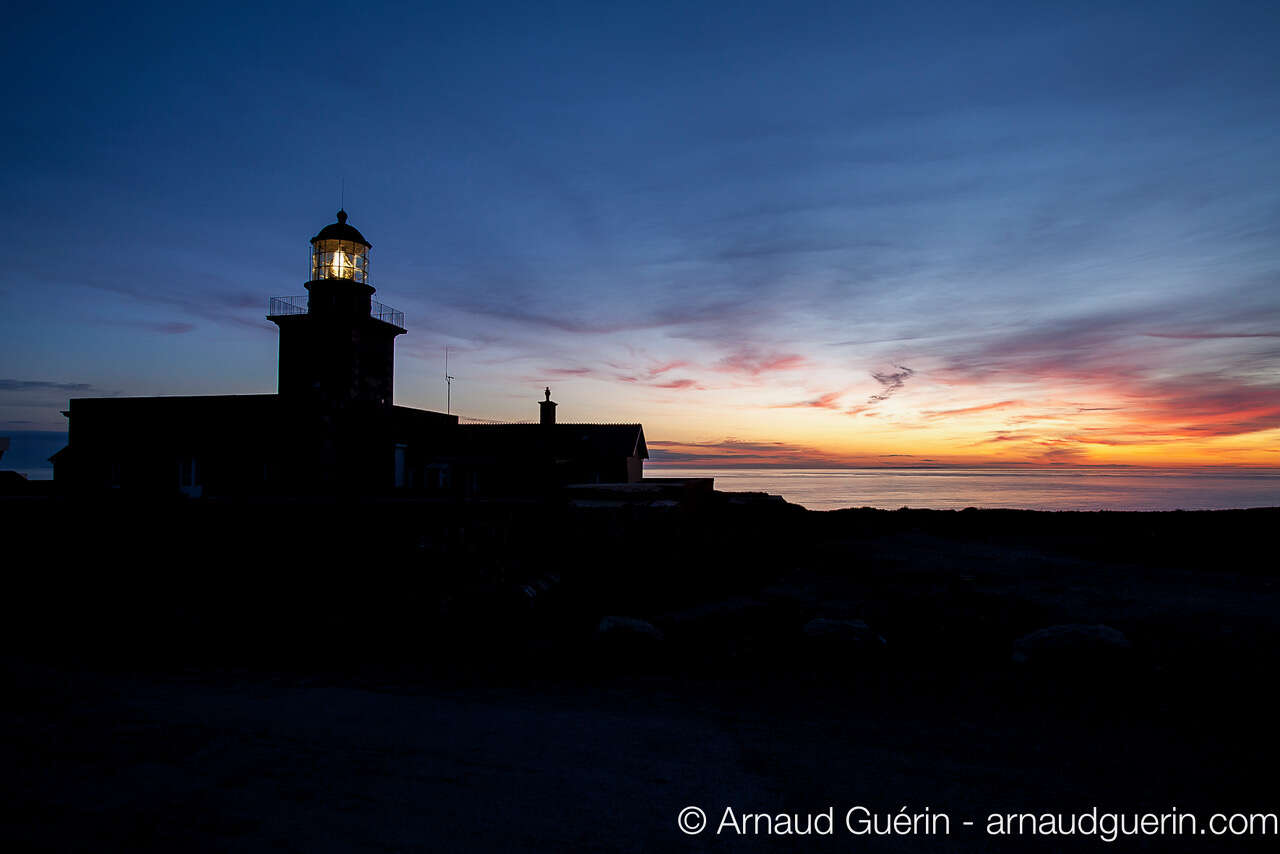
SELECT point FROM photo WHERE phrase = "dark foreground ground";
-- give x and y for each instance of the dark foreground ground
(405, 676)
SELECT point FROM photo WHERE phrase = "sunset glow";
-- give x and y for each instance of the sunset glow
(1031, 236)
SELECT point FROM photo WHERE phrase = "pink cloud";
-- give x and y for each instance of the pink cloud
(652, 373)
(754, 363)
(986, 407)
(830, 400)
(663, 367)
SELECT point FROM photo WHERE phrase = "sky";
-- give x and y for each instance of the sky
(774, 233)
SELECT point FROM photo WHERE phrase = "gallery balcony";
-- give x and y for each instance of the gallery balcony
(286, 306)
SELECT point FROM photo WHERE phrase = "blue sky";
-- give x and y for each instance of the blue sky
(818, 225)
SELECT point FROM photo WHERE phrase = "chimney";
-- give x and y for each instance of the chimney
(548, 407)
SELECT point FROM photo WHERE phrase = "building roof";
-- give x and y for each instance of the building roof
(563, 440)
(172, 404)
(207, 400)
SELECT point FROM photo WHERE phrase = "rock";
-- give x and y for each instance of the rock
(735, 609)
(854, 633)
(538, 588)
(1071, 642)
(628, 627)
(758, 499)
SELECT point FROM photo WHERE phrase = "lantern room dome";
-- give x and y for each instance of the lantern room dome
(341, 231)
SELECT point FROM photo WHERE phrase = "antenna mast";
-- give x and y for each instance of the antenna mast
(448, 384)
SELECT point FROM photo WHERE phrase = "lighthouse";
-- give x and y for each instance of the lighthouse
(332, 428)
(337, 344)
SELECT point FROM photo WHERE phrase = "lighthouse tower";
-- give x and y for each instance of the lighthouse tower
(337, 345)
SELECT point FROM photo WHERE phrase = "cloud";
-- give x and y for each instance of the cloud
(735, 452)
(1149, 387)
(969, 410)
(663, 367)
(568, 372)
(1008, 436)
(171, 328)
(830, 400)
(1210, 336)
(1061, 451)
(754, 362)
(572, 319)
(1093, 347)
(204, 296)
(1207, 405)
(647, 376)
(890, 382)
(652, 377)
(42, 385)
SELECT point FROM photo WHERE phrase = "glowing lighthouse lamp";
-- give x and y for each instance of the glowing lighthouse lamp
(340, 252)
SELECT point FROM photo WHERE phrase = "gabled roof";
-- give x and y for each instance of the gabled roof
(562, 440)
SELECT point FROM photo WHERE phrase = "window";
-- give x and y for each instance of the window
(401, 474)
(189, 476)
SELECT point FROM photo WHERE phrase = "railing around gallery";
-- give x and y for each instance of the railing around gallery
(386, 313)
(278, 306)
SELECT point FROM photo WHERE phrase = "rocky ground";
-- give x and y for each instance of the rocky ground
(533, 678)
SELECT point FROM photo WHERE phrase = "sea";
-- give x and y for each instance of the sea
(29, 452)
(1056, 488)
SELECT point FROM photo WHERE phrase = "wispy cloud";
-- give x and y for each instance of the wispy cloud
(1008, 437)
(735, 452)
(42, 385)
(568, 372)
(1187, 386)
(647, 375)
(890, 382)
(830, 400)
(563, 316)
(1062, 451)
(970, 410)
(1210, 336)
(752, 362)
(171, 328)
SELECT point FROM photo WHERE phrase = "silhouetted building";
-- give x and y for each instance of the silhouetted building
(332, 426)
(500, 457)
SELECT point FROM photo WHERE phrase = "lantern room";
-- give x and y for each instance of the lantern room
(340, 251)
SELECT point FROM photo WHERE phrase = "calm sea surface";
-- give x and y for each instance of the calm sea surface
(1066, 488)
(1075, 488)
